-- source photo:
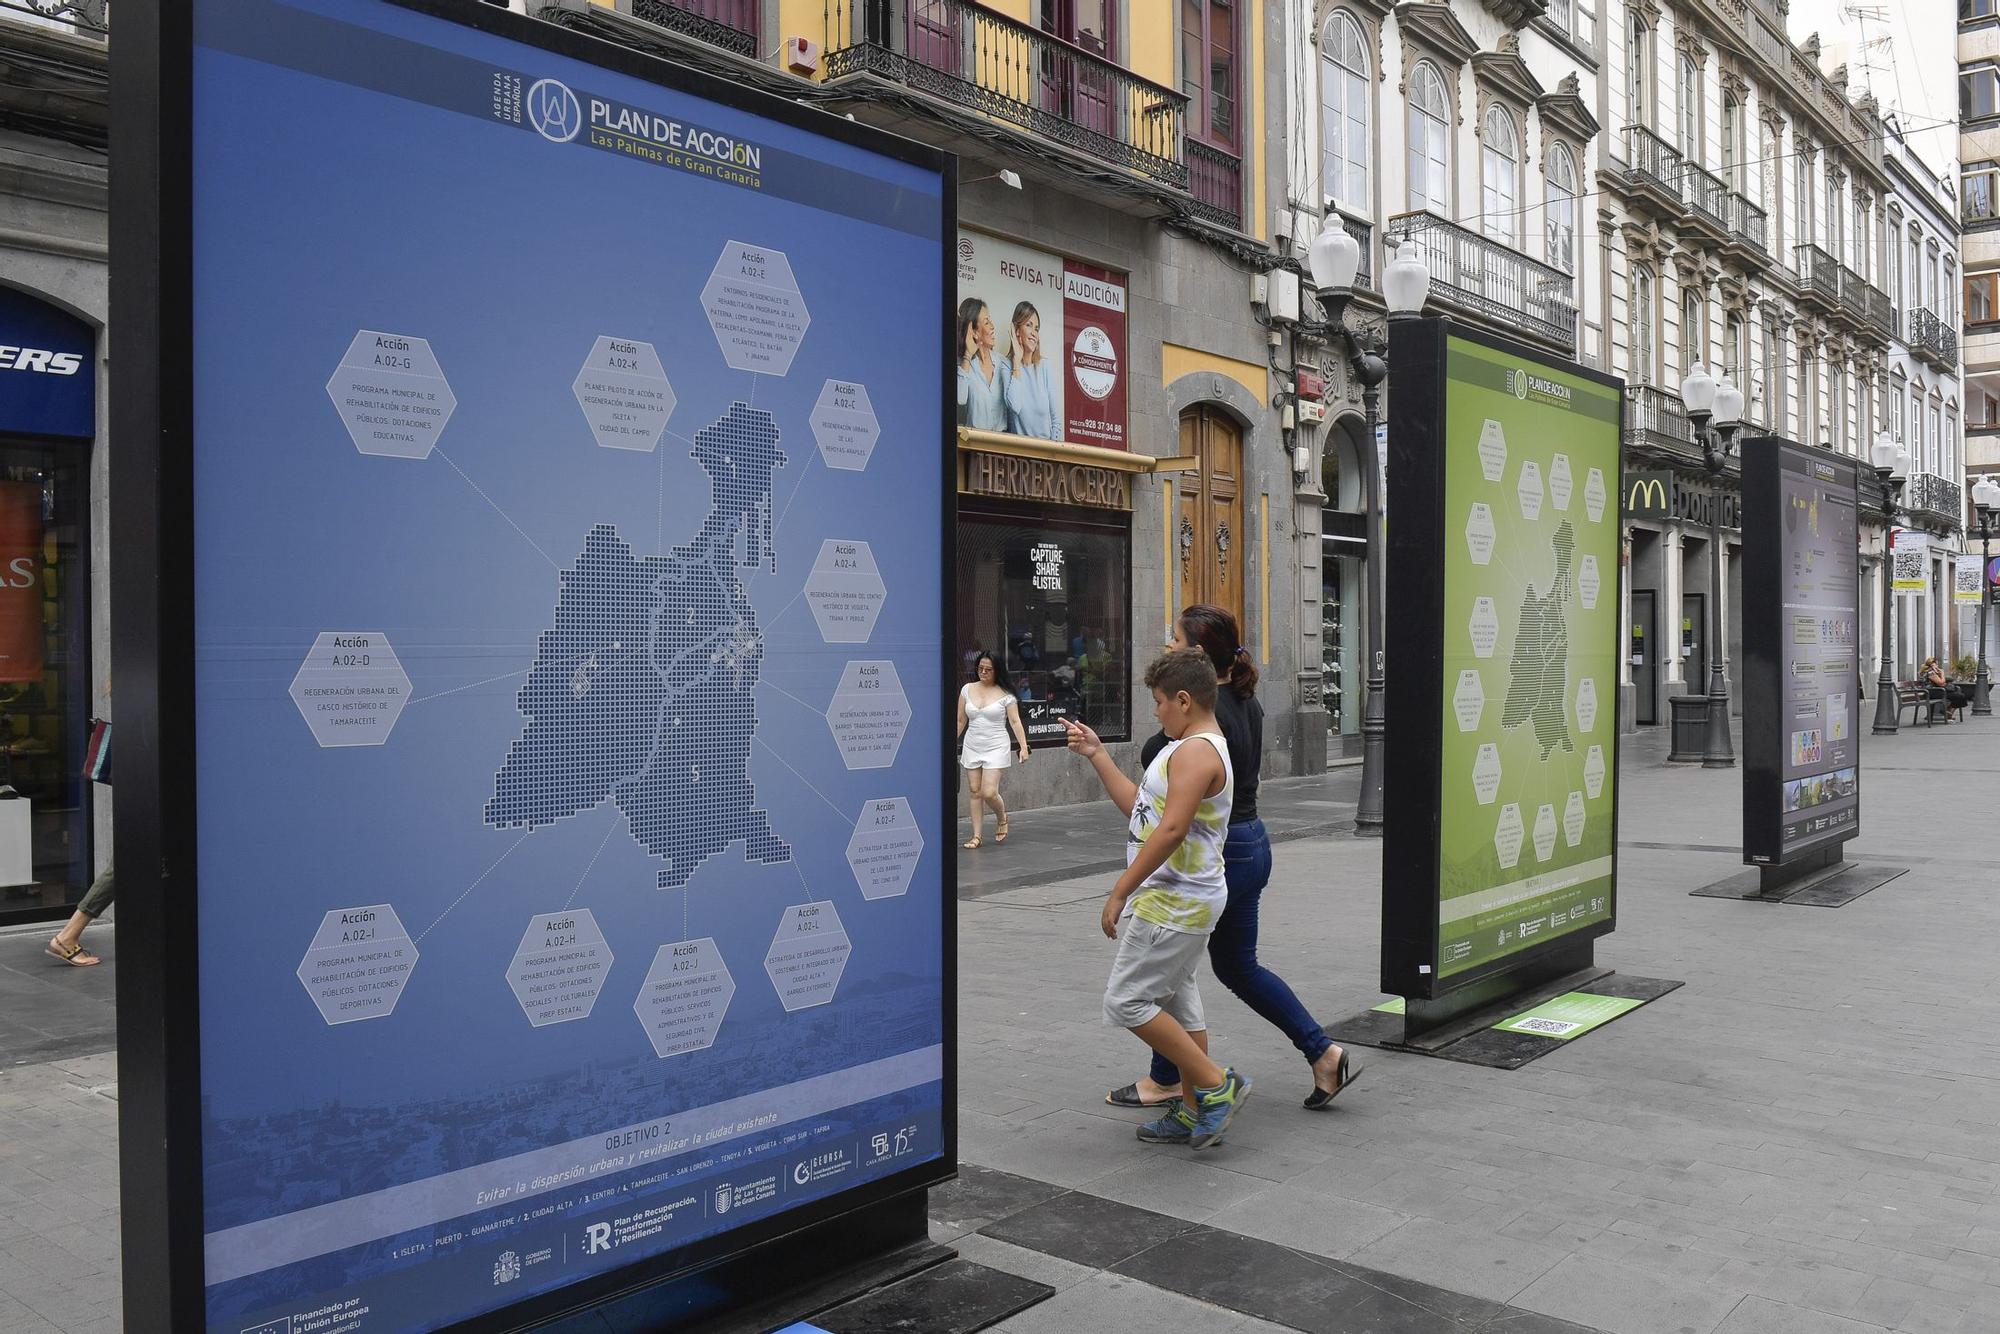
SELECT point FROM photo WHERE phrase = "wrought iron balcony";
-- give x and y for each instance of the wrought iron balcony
(1819, 276)
(1748, 229)
(1485, 280)
(1853, 295)
(1881, 312)
(85, 18)
(1707, 198)
(729, 24)
(1000, 70)
(1933, 340)
(1934, 501)
(1215, 178)
(1653, 170)
(1656, 424)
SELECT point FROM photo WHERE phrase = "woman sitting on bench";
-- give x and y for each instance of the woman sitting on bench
(1955, 697)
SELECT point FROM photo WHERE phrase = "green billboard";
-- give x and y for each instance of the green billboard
(1504, 578)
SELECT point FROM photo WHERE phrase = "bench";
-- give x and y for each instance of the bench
(1924, 707)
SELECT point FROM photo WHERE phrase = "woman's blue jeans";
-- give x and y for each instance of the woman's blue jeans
(1232, 951)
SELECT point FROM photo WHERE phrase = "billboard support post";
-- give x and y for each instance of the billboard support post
(1499, 865)
(1984, 496)
(1886, 707)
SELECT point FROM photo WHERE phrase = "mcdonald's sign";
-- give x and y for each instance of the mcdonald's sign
(1649, 495)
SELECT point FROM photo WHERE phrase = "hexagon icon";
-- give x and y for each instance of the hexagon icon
(1486, 773)
(755, 309)
(1561, 484)
(885, 848)
(1492, 450)
(807, 955)
(684, 996)
(1586, 704)
(391, 395)
(1469, 700)
(350, 689)
(624, 394)
(1594, 494)
(1573, 819)
(1479, 533)
(1484, 627)
(1507, 835)
(845, 591)
(844, 424)
(1593, 772)
(1589, 583)
(869, 714)
(559, 966)
(1545, 833)
(1529, 489)
(358, 963)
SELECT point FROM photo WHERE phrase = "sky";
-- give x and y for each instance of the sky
(1913, 48)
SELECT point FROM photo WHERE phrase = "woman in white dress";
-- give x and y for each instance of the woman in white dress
(987, 711)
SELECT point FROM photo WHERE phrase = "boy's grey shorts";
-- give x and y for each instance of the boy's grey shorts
(1154, 971)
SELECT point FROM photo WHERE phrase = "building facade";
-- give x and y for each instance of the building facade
(1118, 448)
(54, 455)
(1979, 200)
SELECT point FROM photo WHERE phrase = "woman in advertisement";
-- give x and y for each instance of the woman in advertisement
(1031, 388)
(982, 377)
(987, 711)
(1232, 949)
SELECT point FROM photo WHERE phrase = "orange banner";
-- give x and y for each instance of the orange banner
(20, 582)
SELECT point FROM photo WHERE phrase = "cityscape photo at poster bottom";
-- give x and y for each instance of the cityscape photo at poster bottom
(569, 707)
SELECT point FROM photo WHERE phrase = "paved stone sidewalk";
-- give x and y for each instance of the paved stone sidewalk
(1806, 1137)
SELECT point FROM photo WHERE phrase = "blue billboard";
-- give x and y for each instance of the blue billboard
(568, 513)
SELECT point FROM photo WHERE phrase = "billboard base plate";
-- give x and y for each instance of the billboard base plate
(1483, 1037)
(1827, 882)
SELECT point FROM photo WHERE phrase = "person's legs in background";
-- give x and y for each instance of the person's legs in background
(68, 942)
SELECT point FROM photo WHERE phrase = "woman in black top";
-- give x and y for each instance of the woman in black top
(1232, 949)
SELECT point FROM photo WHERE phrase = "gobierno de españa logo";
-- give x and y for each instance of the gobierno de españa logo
(554, 111)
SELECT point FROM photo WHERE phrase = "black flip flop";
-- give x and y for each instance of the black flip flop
(1319, 1099)
(1129, 1097)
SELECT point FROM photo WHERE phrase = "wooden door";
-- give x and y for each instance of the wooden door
(1211, 540)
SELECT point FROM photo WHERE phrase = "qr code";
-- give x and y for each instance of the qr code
(1553, 1027)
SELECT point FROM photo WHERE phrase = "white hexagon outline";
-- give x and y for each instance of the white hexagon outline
(1555, 830)
(901, 731)
(805, 313)
(874, 426)
(839, 973)
(1488, 530)
(1586, 688)
(1589, 582)
(818, 569)
(444, 387)
(1530, 470)
(603, 943)
(292, 690)
(408, 939)
(723, 1014)
(1594, 495)
(1485, 604)
(1487, 751)
(1594, 755)
(915, 861)
(1520, 829)
(1459, 696)
(1492, 464)
(1575, 802)
(1560, 495)
(673, 395)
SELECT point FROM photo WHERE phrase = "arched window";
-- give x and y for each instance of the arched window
(1645, 317)
(1690, 108)
(1430, 141)
(1639, 72)
(1344, 112)
(1560, 175)
(1500, 177)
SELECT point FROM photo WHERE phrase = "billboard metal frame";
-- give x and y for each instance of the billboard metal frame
(153, 641)
(1416, 636)
(1764, 629)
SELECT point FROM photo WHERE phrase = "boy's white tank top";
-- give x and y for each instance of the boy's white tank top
(1188, 892)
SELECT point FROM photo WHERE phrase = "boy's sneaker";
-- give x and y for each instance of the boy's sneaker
(1176, 1127)
(1218, 1108)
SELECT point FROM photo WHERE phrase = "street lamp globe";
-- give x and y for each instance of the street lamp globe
(1728, 404)
(1335, 256)
(1986, 494)
(1882, 454)
(1698, 391)
(1406, 283)
(1899, 468)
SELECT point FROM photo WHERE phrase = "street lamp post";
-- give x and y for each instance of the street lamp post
(1892, 468)
(1715, 407)
(1986, 504)
(1334, 259)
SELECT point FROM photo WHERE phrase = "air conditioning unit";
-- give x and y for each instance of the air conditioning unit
(802, 56)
